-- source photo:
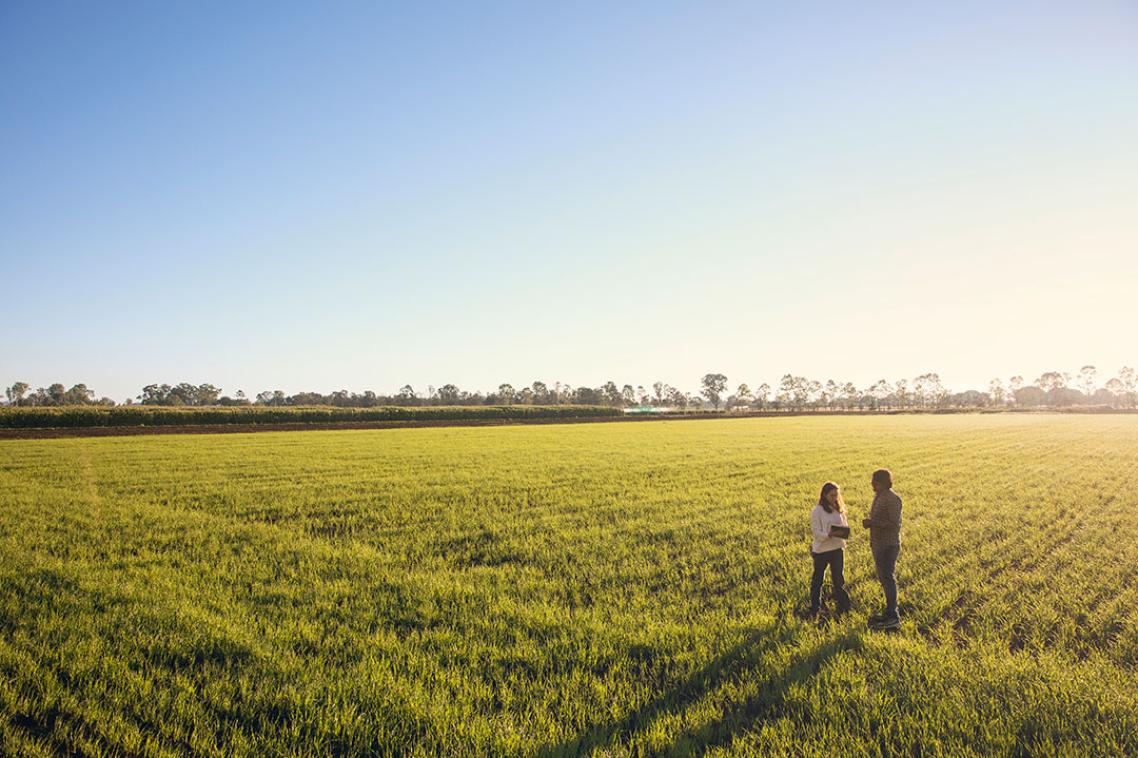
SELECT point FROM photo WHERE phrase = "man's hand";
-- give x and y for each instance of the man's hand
(867, 522)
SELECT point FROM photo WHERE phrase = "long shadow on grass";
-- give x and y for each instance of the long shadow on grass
(738, 660)
(769, 702)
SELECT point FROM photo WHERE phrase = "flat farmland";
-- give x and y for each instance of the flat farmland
(596, 589)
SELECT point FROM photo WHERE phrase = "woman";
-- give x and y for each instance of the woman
(827, 549)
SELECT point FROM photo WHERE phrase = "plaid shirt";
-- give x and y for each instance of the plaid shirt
(885, 513)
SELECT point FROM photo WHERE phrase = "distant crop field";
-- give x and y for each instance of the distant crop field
(83, 416)
(606, 589)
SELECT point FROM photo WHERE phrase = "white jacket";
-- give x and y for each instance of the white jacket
(820, 523)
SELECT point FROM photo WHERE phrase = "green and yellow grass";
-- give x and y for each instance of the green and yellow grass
(600, 589)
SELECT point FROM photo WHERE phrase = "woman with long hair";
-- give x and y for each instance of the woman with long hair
(829, 527)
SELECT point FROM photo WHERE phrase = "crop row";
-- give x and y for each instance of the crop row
(89, 416)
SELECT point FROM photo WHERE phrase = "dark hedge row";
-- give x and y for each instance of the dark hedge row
(80, 416)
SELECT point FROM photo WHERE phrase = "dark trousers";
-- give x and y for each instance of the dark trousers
(885, 559)
(836, 560)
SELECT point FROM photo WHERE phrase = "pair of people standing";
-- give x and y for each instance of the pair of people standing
(829, 527)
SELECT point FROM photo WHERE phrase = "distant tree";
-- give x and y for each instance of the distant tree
(1030, 396)
(969, 399)
(628, 395)
(1116, 389)
(743, 394)
(1052, 383)
(830, 393)
(525, 396)
(506, 394)
(901, 393)
(227, 401)
(920, 390)
(826, 393)
(940, 392)
(1015, 384)
(713, 387)
(207, 394)
(813, 389)
(785, 394)
(1088, 376)
(16, 392)
(1104, 396)
(1051, 380)
(1067, 396)
(406, 394)
(611, 393)
(930, 390)
(762, 393)
(879, 391)
(540, 393)
(78, 395)
(1129, 380)
(588, 396)
(56, 394)
(448, 394)
(850, 395)
(996, 391)
(658, 388)
(642, 396)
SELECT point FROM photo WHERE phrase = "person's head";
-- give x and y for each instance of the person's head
(882, 480)
(831, 499)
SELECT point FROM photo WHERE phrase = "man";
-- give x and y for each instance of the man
(884, 524)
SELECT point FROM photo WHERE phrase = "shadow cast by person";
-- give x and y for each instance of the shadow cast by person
(769, 702)
(737, 660)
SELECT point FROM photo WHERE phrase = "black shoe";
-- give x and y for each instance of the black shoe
(877, 618)
(809, 614)
(886, 621)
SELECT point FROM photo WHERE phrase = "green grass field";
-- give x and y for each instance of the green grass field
(602, 589)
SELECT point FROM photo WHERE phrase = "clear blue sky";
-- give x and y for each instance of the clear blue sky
(324, 196)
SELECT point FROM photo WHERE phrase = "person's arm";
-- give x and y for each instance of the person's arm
(816, 526)
(894, 513)
(888, 514)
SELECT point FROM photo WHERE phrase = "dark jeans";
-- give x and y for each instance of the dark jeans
(885, 559)
(836, 560)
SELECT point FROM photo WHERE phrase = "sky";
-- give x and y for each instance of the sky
(316, 196)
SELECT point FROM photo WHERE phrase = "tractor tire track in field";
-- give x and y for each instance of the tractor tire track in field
(1048, 558)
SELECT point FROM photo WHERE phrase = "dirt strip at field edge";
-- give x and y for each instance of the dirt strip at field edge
(125, 431)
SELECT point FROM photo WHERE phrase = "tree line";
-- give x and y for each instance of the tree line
(792, 392)
(21, 393)
(1054, 389)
